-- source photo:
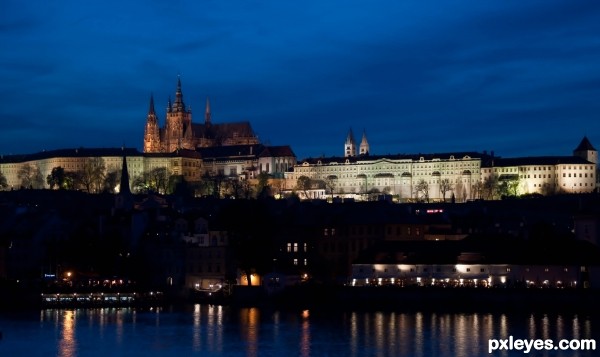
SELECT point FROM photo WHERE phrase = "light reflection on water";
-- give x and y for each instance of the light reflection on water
(216, 330)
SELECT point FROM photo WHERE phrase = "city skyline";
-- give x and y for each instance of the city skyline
(518, 79)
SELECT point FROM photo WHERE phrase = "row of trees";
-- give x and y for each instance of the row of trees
(94, 178)
(491, 188)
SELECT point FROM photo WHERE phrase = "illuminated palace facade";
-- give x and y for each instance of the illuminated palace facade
(356, 175)
(185, 163)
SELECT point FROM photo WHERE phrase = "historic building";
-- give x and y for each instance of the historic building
(179, 132)
(548, 174)
(437, 177)
(185, 163)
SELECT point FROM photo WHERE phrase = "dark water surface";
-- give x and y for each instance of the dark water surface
(205, 330)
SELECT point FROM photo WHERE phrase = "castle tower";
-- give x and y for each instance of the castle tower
(350, 145)
(364, 144)
(179, 122)
(151, 132)
(586, 151)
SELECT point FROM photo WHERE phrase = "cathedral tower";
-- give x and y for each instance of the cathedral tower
(350, 145)
(151, 132)
(178, 128)
(364, 144)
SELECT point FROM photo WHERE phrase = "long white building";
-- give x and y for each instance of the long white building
(435, 177)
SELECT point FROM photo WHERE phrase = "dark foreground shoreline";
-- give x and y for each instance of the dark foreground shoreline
(352, 298)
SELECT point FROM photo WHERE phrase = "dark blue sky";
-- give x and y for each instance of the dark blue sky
(517, 77)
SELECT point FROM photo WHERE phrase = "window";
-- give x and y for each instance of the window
(482, 270)
(305, 247)
(305, 261)
(289, 247)
(508, 270)
(295, 261)
(295, 247)
(468, 269)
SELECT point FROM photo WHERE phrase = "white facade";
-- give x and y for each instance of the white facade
(466, 274)
(394, 175)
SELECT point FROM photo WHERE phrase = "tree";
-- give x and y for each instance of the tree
(330, 184)
(460, 191)
(56, 178)
(445, 186)
(158, 180)
(512, 186)
(422, 190)
(111, 180)
(3, 182)
(30, 176)
(490, 187)
(263, 182)
(477, 189)
(92, 174)
(72, 180)
(304, 184)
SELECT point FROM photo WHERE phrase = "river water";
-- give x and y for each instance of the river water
(206, 330)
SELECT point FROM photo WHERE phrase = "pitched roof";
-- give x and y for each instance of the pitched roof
(585, 145)
(533, 160)
(413, 157)
(223, 130)
(217, 152)
(79, 152)
(277, 151)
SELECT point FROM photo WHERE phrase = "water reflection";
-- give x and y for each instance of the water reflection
(419, 334)
(249, 326)
(215, 330)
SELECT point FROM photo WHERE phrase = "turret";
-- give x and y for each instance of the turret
(364, 145)
(350, 145)
(586, 150)
(151, 132)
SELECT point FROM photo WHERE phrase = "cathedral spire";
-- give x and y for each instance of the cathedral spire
(179, 106)
(151, 109)
(207, 113)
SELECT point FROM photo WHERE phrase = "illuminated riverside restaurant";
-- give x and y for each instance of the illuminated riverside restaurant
(479, 262)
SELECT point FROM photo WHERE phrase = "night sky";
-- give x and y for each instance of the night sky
(517, 77)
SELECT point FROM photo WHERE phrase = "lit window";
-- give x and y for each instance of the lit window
(295, 247)
(289, 247)
(295, 261)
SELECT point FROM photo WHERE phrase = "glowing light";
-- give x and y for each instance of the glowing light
(503, 279)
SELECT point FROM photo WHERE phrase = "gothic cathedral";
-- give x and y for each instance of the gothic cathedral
(180, 133)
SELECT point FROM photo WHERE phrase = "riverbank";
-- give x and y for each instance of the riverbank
(329, 297)
(421, 298)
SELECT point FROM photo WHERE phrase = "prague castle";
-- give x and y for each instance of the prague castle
(440, 176)
(232, 151)
(179, 132)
